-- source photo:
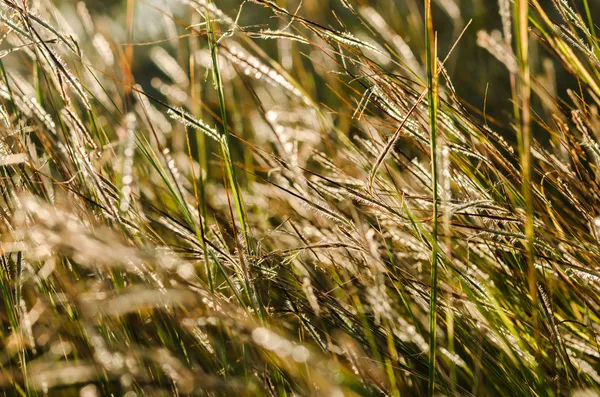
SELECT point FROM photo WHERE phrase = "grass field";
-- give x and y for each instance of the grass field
(286, 198)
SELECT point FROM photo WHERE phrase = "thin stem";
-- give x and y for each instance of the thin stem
(229, 165)
(432, 85)
(226, 145)
(522, 34)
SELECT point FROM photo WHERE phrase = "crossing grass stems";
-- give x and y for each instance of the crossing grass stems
(350, 227)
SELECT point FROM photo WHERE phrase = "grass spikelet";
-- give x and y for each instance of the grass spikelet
(4, 116)
(347, 4)
(252, 66)
(128, 153)
(279, 34)
(498, 49)
(169, 65)
(58, 67)
(85, 17)
(103, 47)
(390, 144)
(400, 45)
(348, 39)
(504, 10)
(190, 121)
(41, 114)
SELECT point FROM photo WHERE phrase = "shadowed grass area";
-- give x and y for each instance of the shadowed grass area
(286, 198)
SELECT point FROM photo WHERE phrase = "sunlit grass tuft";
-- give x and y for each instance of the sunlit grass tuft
(292, 198)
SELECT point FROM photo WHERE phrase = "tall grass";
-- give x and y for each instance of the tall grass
(293, 198)
(432, 89)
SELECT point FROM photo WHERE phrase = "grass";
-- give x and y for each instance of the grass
(432, 90)
(285, 198)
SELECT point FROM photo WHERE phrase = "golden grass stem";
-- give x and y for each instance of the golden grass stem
(432, 85)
